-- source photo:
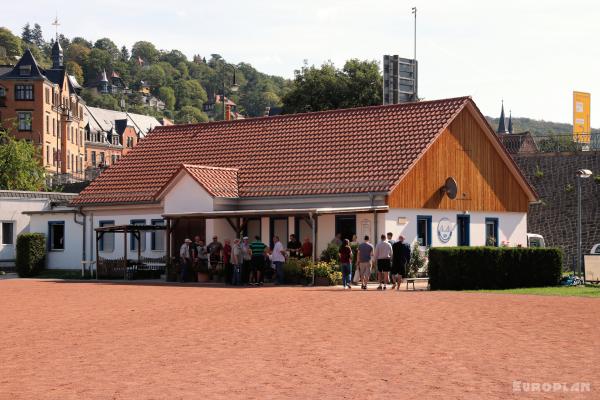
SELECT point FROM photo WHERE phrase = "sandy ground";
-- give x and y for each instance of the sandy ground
(66, 340)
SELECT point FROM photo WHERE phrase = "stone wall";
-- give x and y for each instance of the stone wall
(553, 177)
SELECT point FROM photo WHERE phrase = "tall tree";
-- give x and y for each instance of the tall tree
(124, 54)
(27, 35)
(10, 47)
(146, 51)
(20, 167)
(109, 46)
(37, 36)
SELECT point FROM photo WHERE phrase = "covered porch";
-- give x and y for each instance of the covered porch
(265, 223)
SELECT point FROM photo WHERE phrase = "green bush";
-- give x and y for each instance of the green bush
(468, 268)
(331, 253)
(294, 270)
(31, 254)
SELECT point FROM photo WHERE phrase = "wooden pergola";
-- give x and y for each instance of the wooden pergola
(135, 231)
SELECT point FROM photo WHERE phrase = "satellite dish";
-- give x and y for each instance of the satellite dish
(450, 188)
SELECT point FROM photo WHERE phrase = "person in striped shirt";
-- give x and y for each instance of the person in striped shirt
(257, 263)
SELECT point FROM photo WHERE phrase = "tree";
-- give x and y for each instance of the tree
(190, 115)
(98, 60)
(154, 75)
(20, 167)
(37, 36)
(109, 46)
(10, 47)
(146, 51)
(75, 69)
(27, 35)
(358, 84)
(78, 53)
(167, 95)
(124, 54)
(81, 41)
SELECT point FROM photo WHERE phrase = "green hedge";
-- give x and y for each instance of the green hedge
(31, 254)
(468, 268)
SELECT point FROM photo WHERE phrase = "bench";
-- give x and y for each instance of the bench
(412, 280)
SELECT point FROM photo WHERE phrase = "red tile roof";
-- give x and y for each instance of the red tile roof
(331, 152)
(218, 182)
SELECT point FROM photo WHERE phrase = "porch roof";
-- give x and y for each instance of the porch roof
(279, 211)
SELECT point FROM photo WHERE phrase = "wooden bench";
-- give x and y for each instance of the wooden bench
(412, 280)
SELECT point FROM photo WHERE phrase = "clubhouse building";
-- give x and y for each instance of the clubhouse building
(433, 171)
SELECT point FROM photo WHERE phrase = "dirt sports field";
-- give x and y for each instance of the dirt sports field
(63, 340)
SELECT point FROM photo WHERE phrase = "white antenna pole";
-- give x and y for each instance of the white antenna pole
(414, 11)
(56, 24)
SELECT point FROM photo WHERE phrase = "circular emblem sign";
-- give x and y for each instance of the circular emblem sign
(444, 230)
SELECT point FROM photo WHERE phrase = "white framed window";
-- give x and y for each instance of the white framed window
(24, 118)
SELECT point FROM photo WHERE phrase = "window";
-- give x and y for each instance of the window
(130, 142)
(158, 237)
(47, 95)
(24, 118)
(424, 230)
(23, 92)
(56, 236)
(8, 233)
(68, 159)
(47, 154)
(133, 245)
(107, 241)
(25, 70)
(2, 92)
(491, 232)
(93, 158)
(53, 127)
(463, 229)
(102, 158)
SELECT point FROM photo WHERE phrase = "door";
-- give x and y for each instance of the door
(346, 226)
(279, 227)
(463, 223)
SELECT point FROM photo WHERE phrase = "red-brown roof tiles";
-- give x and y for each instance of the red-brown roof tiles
(218, 182)
(342, 151)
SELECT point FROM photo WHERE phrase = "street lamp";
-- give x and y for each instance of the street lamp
(234, 87)
(581, 174)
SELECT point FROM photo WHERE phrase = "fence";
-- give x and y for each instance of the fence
(528, 143)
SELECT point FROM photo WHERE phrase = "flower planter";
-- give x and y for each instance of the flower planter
(321, 281)
(202, 277)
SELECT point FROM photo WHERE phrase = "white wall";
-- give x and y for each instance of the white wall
(186, 195)
(512, 225)
(11, 210)
(70, 257)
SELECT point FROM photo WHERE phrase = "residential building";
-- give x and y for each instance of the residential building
(43, 107)
(363, 171)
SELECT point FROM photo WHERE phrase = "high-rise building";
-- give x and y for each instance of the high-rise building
(400, 80)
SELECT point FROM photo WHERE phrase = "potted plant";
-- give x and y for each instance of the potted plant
(322, 271)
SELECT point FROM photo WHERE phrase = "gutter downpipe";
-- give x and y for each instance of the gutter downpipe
(83, 224)
(314, 237)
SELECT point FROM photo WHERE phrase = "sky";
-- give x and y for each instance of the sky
(532, 54)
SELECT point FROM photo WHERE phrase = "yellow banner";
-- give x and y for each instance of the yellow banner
(581, 117)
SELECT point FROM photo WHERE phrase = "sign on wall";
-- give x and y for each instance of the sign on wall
(444, 230)
(581, 117)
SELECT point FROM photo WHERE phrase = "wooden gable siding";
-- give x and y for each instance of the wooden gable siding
(462, 151)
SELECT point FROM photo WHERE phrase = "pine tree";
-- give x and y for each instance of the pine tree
(37, 37)
(27, 34)
(124, 54)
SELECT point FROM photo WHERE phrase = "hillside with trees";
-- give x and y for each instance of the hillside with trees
(184, 86)
(537, 127)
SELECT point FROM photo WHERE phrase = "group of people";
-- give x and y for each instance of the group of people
(390, 257)
(246, 262)
(243, 262)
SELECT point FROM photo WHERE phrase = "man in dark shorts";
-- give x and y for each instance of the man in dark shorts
(400, 259)
(257, 263)
(215, 253)
(383, 254)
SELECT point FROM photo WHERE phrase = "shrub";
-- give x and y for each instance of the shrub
(322, 269)
(417, 261)
(294, 270)
(331, 253)
(460, 268)
(31, 254)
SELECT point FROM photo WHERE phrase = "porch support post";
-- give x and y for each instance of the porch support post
(97, 252)
(169, 250)
(314, 219)
(125, 253)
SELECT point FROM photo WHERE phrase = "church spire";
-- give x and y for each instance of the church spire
(57, 51)
(501, 124)
(510, 127)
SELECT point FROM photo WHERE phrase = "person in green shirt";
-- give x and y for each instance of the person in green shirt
(257, 263)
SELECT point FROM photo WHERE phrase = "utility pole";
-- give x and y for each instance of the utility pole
(414, 11)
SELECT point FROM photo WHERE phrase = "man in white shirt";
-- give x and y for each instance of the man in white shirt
(278, 258)
(185, 254)
(383, 254)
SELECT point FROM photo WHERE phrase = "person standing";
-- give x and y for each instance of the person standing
(246, 260)
(227, 261)
(307, 248)
(365, 256)
(383, 255)
(185, 254)
(215, 254)
(337, 240)
(345, 254)
(278, 258)
(257, 263)
(390, 239)
(294, 246)
(237, 260)
(401, 256)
